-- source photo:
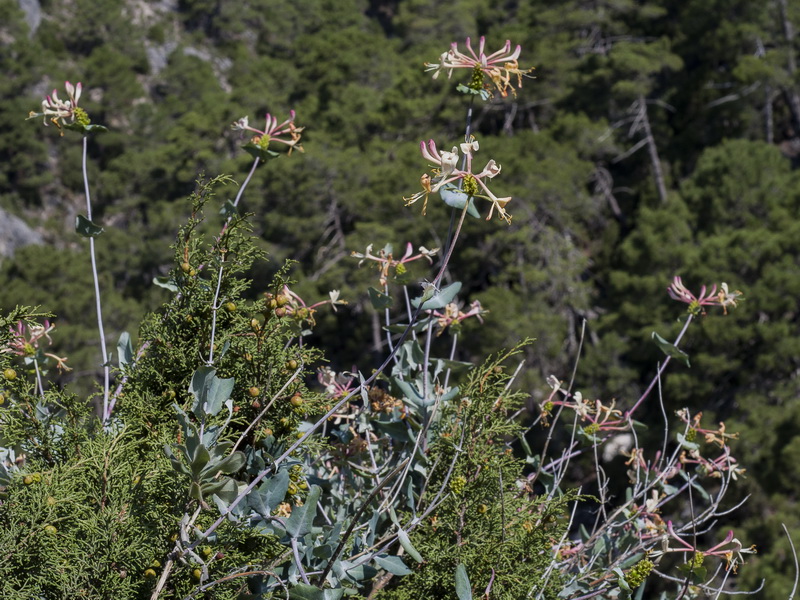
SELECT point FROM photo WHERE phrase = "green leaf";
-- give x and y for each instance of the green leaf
(379, 299)
(199, 461)
(210, 391)
(85, 228)
(85, 128)
(405, 542)
(671, 349)
(228, 209)
(258, 152)
(231, 464)
(303, 591)
(392, 564)
(302, 517)
(440, 298)
(176, 464)
(124, 349)
(463, 587)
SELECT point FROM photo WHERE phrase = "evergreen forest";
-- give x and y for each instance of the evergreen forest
(651, 139)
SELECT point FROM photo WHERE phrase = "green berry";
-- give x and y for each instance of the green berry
(297, 401)
(149, 574)
(254, 392)
(10, 374)
(186, 267)
(50, 529)
(197, 574)
(230, 307)
(291, 364)
(205, 551)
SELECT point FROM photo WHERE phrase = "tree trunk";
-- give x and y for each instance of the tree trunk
(658, 174)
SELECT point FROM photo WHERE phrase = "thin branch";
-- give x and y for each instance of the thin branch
(794, 557)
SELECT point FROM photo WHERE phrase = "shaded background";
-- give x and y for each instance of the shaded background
(659, 138)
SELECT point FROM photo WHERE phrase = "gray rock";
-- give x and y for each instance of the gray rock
(15, 233)
(33, 14)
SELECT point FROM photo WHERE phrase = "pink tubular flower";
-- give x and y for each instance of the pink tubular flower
(337, 385)
(283, 133)
(499, 66)
(27, 345)
(445, 171)
(678, 291)
(731, 549)
(386, 260)
(58, 110)
(453, 315)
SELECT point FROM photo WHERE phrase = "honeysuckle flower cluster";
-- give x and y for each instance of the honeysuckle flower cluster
(712, 436)
(500, 67)
(386, 260)
(724, 463)
(724, 298)
(598, 417)
(731, 549)
(452, 316)
(446, 172)
(25, 342)
(288, 304)
(337, 385)
(286, 133)
(57, 110)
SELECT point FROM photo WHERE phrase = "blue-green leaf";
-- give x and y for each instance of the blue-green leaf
(210, 391)
(463, 587)
(166, 282)
(454, 197)
(266, 497)
(440, 298)
(405, 542)
(302, 517)
(124, 349)
(392, 564)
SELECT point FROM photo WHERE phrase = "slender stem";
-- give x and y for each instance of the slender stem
(660, 369)
(467, 133)
(215, 303)
(298, 562)
(794, 557)
(215, 309)
(106, 366)
(38, 378)
(246, 181)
